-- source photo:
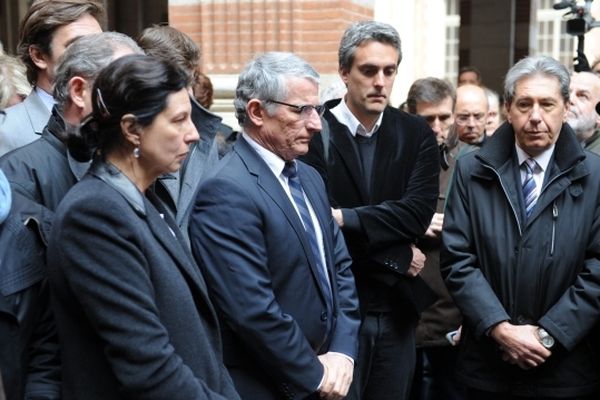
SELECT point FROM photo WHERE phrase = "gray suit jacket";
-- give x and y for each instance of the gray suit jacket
(24, 123)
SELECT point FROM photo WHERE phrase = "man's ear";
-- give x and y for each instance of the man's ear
(78, 88)
(568, 107)
(131, 129)
(344, 73)
(256, 112)
(507, 113)
(39, 58)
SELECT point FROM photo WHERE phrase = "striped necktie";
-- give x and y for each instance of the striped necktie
(530, 193)
(298, 196)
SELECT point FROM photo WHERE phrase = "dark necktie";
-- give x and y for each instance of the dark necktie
(290, 172)
(529, 186)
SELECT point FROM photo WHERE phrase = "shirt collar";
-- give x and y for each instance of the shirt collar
(343, 114)
(46, 97)
(273, 161)
(542, 159)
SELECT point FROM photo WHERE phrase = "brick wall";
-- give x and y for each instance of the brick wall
(231, 32)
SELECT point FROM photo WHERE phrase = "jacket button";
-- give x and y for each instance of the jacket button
(521, 320)
(324, 316)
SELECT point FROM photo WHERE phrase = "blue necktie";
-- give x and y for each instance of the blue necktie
(529, 186)
(290, 172)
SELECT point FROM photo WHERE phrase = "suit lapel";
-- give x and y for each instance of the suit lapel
(37, 112)
(271, 186)
(167, 234)
(323, 216)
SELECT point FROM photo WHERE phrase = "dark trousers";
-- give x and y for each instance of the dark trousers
(474, 394)
(386, 359)
(434, 375)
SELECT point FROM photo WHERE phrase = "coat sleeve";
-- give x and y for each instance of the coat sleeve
(459, 264)
(345, 336)
(400, 220)
(228, 241)
(101, 254)
(577, 311)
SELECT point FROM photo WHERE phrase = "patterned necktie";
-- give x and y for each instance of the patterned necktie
(298, 196)
(530, 193)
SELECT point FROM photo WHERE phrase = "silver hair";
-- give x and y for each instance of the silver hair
(265, 78)
(366, 31)
(536, 65)
(86, 57)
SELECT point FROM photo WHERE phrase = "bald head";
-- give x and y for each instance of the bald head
(470, 113)
(584, 94)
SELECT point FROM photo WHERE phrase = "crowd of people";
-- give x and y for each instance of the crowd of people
(336, 247)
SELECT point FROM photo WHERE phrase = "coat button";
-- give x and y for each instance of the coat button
(521, 320)
(324, 316)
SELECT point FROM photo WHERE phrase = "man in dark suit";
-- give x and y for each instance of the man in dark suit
(274, 259)
(382, 170)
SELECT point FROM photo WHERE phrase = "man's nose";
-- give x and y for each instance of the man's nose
(314, 121)
(379, 78)
(535, 113)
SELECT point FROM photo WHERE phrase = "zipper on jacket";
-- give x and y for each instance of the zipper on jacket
(554, 218)
(512, 206)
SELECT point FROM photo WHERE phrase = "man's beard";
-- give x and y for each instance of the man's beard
(582, 125)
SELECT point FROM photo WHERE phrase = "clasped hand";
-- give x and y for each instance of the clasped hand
(520, 344)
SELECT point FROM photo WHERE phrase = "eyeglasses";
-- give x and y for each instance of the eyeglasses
(463, 119)
(303, 110)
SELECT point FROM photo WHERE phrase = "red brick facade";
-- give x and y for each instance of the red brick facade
(231, 32)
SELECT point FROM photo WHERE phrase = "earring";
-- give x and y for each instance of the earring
(136, 152)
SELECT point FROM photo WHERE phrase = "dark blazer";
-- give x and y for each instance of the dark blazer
(24, 123)
(132, 311)
(250, 242)
(380, 224)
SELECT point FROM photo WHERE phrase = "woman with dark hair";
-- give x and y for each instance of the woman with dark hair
(131, 307)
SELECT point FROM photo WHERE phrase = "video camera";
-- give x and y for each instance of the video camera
(581, 21)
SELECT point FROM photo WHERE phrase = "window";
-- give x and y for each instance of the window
(552, 37)
(452, 38)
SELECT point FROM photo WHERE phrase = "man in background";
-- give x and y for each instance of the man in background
(582, 116)
(470, 117)
(45, 32)
(433, 99)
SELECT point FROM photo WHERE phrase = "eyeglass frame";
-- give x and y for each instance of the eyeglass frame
(463, 119)
(304, 109)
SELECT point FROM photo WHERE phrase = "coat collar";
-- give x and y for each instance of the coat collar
(161, 224)
(499, 154)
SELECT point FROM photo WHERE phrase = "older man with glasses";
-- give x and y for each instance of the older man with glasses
(274, 260)
(470, 113)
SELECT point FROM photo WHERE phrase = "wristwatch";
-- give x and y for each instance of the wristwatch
(545, 339)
